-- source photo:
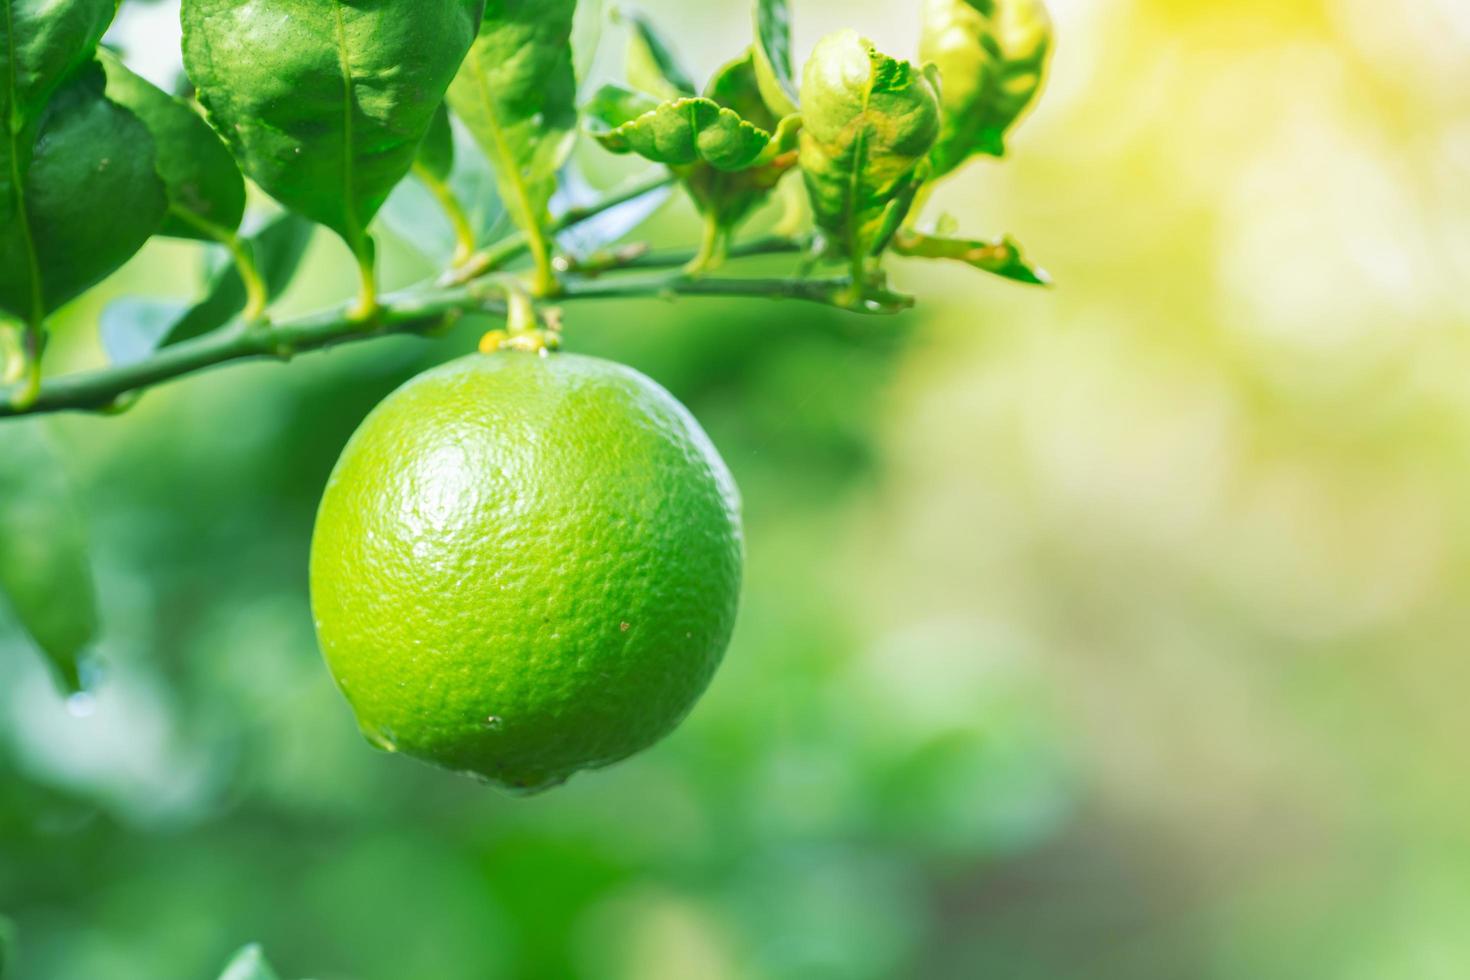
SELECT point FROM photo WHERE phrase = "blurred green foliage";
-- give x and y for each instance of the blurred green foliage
(1112, 633)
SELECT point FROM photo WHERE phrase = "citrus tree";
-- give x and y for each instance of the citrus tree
(526, 562)
(326, 108)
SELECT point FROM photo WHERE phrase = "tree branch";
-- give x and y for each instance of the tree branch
(404, 313)
(640, 257)
(99, 390)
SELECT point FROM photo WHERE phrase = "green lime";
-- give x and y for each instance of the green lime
(525, 565)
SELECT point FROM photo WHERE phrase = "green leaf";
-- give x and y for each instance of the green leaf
(92, 158)
(991, 56)
(1003, 258)
(688, 131)
(132, 329)
(652, 66)
(773, 56)
(44, 572)
(325, 104)
(249, 964)
(516, 92)
(869, 122)
(41, 44)
(436, 152)
(206, 194)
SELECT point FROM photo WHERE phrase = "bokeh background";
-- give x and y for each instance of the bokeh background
(1112, 631)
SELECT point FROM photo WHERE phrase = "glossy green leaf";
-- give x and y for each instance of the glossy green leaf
(132, 329)
(436, 152)
(689, 131)
(1003, 257)
(42, 42)
(44, 570)
(91, 158)
(991, 56)
(869, 122)
(652, 66)
(206, 193)
(773, 65)
(516, 93)
(325, 104)
(249, 964)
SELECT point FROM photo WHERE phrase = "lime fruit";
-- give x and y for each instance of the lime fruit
(526, 565)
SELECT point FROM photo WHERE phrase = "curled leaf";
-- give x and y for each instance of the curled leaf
(206, 194)
(991, 56)
(773, 68)
(728, 149)
(44, 571)
(324, 104)
(869, 122)
(1002, 257)
(689, 131)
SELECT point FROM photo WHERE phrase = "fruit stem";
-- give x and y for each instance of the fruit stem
(520, 313)
(543, 280)
(523, 328)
